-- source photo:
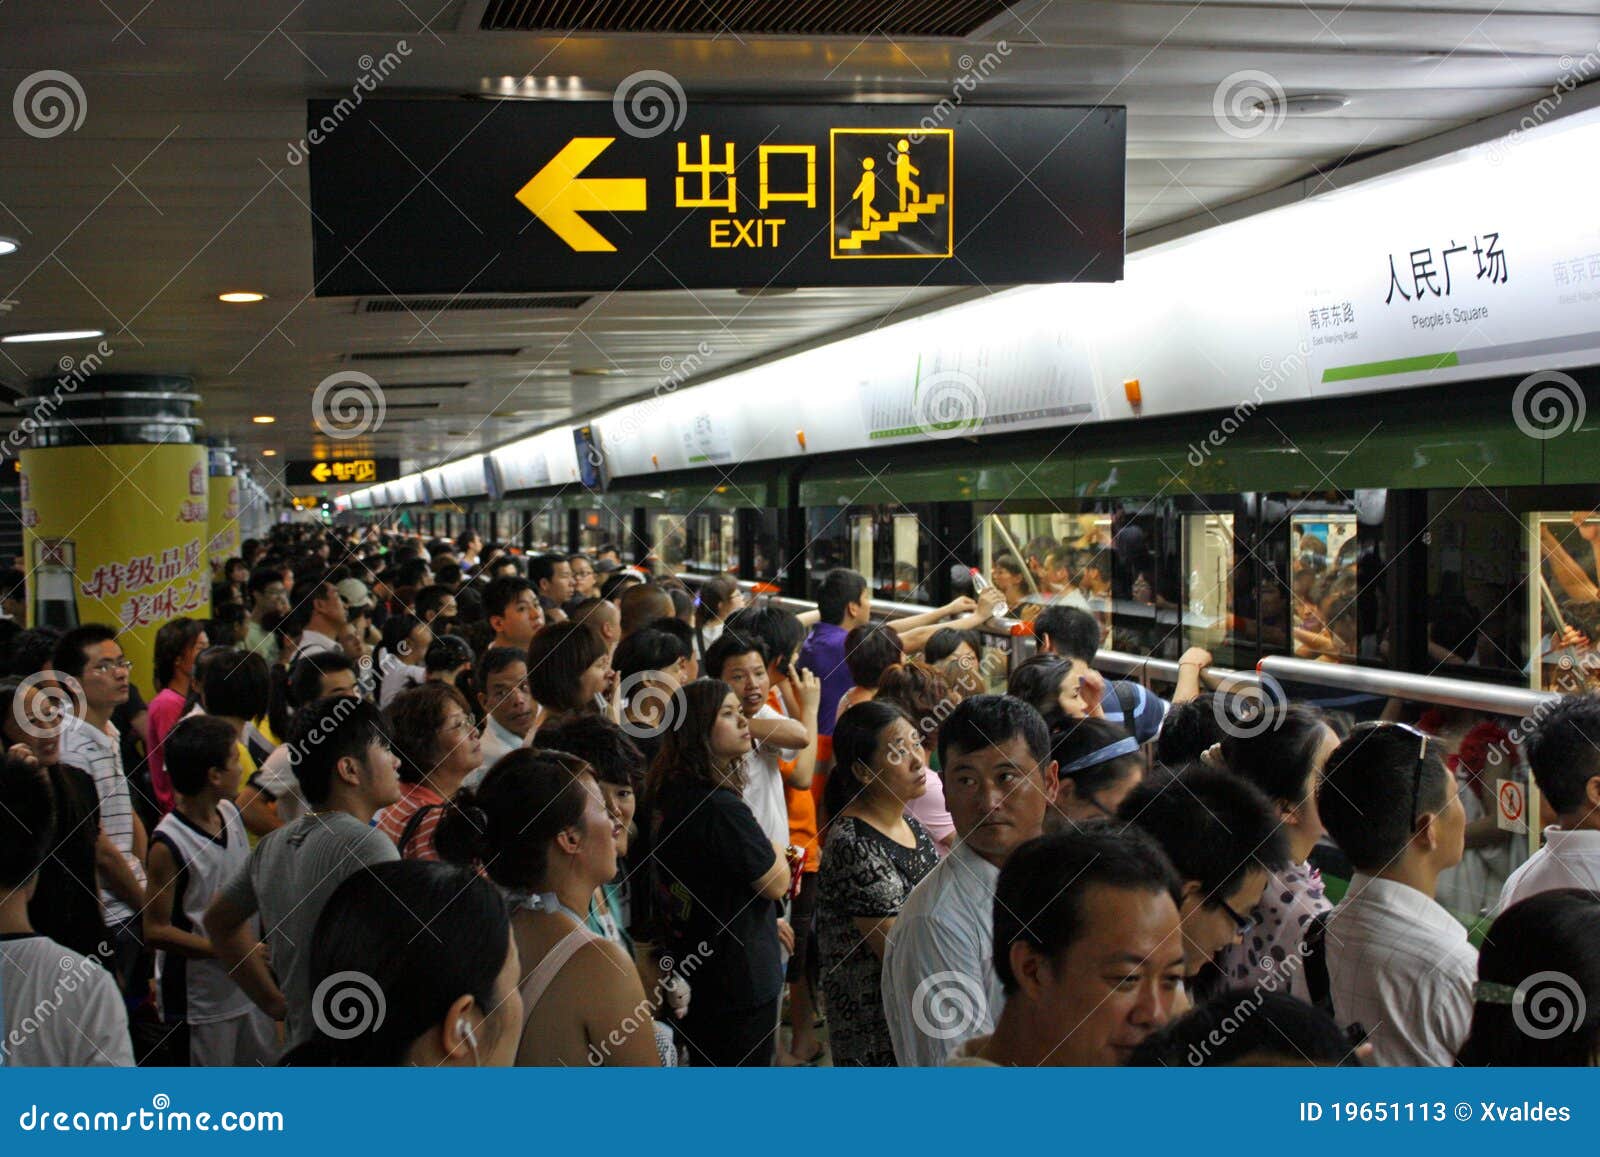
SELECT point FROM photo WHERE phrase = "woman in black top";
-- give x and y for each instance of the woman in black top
(66, 904)
(873, 856)
(717, 880)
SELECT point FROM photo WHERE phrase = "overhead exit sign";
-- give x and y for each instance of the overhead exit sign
(517, 196)
(327, 471)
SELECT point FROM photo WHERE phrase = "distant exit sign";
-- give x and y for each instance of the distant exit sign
(340, 471)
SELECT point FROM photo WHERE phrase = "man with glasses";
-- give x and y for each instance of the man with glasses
(1223, 837)
(93, 669)
(1396, 962)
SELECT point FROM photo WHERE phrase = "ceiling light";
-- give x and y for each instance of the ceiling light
(7, 245)
(52, 335)
(591, 371)
(1307, 105)
(766, 291)
(263, 419)
(269, 453)
(241, 297)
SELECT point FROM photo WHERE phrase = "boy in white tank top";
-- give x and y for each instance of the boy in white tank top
(194, 850)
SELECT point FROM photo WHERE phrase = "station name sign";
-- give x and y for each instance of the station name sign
(519, 196)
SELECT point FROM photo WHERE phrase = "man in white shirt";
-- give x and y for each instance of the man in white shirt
(1564, 755)
(1397, 963)
(1087, 948)
(507, 704)
(939, 983)
(741, 663)
(90, 656)
(327, 622)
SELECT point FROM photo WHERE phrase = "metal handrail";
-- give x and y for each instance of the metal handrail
(1463, 693)
(1147, 669)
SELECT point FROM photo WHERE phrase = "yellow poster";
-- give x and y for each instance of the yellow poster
(116, 535)
(223, 520)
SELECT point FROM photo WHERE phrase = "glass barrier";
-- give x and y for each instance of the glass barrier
(1322, 581)
(602, 528)
(1565, 600)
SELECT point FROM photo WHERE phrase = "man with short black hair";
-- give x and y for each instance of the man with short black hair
(551, 576)
(1396, 962)
(1087, 947)
(90, 657)
(272, 796)
(327, 620)
(347, 772)
(1564, 755)
(999, 782)
(268, 597)
(507, 704)
(512, 609)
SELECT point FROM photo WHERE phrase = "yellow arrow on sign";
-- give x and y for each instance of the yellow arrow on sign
(322, 472)
(556, 195)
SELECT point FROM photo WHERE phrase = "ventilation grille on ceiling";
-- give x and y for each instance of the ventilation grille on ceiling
(433, 305)
(424, 354)
(755, 17)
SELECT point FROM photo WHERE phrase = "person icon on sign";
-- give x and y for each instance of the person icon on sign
(866, 189)
(904, 170)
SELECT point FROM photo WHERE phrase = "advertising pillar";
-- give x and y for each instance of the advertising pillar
(222, 499)
(114, 508)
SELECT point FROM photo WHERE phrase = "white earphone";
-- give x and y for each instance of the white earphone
(465, 1032)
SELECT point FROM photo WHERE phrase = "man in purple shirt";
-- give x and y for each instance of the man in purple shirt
(844, 601)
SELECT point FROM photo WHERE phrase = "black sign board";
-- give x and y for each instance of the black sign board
(527, 196)
(340, 471)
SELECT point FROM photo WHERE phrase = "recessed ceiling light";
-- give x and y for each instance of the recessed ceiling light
(52, 335)
(7, 245)
(263, 419)
(241, 297)
(1305, 105)
(592, 371)
(269, 453)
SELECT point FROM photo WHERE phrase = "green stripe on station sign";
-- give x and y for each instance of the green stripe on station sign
(1392, 366)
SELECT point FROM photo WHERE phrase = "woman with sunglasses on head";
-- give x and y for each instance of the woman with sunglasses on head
(1099, 764)
(540, 828)
(874, 854)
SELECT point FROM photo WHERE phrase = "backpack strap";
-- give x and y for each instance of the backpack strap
(1316, 958)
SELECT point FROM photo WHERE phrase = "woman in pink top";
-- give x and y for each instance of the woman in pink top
(928, 697)
(178, 644)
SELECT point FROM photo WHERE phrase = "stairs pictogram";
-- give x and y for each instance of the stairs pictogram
(892, 222)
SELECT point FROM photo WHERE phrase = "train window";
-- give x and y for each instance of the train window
(766, 555)
(1565, 603)
(1037, 559)
(1208, 569)
(669, 540)
(1323, 586)
(601, 528)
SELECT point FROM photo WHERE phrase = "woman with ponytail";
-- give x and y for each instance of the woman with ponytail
(540, 828)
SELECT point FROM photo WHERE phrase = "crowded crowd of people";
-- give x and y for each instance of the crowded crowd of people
(409, 802)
